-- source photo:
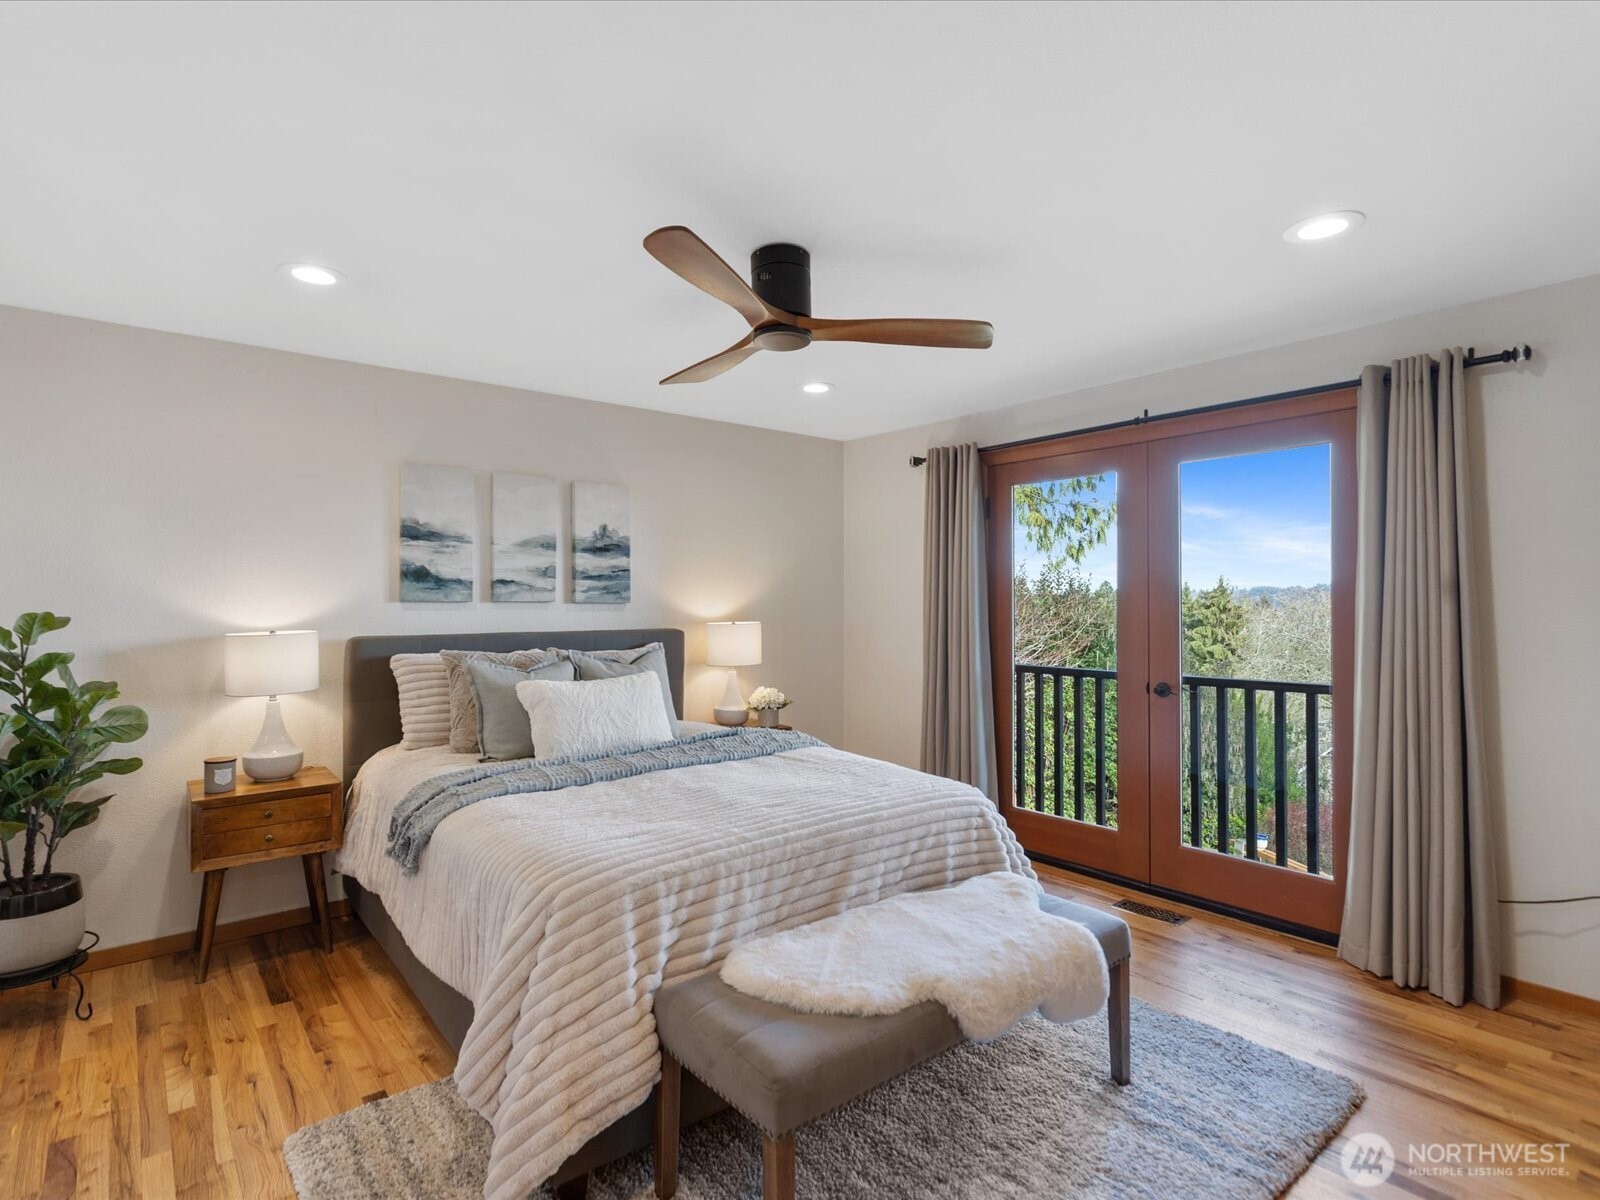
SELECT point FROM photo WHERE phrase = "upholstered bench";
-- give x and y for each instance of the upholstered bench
(782, 1068)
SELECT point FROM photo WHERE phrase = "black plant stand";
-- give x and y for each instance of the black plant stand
(68, 966)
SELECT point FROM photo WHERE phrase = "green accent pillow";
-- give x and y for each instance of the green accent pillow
(503, 727)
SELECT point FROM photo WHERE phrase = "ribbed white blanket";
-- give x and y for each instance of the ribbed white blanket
(560, 914)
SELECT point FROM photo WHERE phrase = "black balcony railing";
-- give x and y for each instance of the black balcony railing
(1244, 794)
(1066, 752)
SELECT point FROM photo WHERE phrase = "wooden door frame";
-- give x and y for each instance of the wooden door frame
(1036, 456)
(1125, 850)
(1312, 901)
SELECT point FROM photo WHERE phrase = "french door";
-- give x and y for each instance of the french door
(1172, 633)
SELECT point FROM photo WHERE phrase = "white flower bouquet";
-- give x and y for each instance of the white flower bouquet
(766, 698)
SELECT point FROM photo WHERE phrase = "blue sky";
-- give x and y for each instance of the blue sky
(1254, 519)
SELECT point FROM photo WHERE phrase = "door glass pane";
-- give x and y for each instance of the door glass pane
(1257, 616)
(1064, 646)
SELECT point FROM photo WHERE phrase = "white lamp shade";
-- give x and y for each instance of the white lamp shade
(733, 644)
(270, 664)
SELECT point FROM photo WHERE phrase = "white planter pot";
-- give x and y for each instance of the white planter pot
(41, 927)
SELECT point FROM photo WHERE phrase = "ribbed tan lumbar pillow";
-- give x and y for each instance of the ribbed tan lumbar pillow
(424, 700)
(464, 701)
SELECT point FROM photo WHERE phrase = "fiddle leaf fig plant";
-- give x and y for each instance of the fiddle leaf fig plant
(55, 738)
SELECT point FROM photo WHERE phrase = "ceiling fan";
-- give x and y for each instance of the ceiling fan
(777, 303)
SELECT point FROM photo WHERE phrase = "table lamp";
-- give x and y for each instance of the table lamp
(732, 644)
(271, 664)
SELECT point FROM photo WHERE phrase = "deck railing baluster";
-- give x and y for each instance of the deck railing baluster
(1021, 732)
(1099, 751)
(1251, 789)
(1077, 747)
(1224, 846)
(1280, 775)
(1060, 734)
(1194, 764)
(1313, 780)
(1038, 744)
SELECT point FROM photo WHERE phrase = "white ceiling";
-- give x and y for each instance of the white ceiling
(1107, 184)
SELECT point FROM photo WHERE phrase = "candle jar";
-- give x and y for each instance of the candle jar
(221, 774)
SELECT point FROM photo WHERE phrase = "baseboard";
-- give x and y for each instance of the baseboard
(1537, 993)
(234, 931)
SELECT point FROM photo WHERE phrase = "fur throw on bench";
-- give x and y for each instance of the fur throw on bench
(983, 949)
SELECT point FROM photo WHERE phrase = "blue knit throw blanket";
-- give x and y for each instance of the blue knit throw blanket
(418, 815)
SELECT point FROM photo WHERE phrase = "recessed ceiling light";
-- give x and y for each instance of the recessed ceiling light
(816, 389)
(1322, 227)
(314, 275)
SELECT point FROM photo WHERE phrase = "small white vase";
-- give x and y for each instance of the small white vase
(767, 717)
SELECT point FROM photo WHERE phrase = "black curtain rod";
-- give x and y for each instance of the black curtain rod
(1516, 354)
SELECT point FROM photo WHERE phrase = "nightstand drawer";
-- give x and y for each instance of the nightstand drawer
(265, 812)
(261, 838)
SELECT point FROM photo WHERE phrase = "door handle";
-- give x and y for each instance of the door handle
(1163, 689)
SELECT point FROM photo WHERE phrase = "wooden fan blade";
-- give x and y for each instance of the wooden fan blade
(902, 331)
(682, 253)
(710, 368)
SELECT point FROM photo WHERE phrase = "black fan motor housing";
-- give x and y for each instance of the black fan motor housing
(781, 275)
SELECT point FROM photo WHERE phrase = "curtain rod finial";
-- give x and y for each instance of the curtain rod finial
(917, 460)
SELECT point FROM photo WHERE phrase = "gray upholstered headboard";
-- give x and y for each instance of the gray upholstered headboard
(372, 699)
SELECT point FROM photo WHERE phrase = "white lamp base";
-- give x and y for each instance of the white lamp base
(274, 756)
(730, 710)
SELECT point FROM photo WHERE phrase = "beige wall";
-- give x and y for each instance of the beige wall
(163, 490)
(1538, 508)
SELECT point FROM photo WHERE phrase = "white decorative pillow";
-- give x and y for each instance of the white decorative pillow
(589, 717)
(424, 700)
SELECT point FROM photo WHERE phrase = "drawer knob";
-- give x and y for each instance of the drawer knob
(267, 815)
(269, 837)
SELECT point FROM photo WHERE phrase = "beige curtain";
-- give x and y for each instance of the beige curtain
(1421, 897)
(957, 703)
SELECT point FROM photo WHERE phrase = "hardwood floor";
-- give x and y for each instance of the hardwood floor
(174, 1088)
(178, 1089)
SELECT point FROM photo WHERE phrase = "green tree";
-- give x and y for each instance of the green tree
(1213, 629)
(1063, 519)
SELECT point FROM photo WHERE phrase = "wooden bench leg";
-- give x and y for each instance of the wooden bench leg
(777, 1167)
(669, 1096)
(1118, 1016)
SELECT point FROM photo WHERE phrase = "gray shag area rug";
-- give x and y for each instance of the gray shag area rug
(1033, 1114)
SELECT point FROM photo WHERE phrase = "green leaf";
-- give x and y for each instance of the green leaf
(77, 814)
(124, 723)
(6, 640)
(14, 780)
(10, 829)
(39, 667)
(30, 627)
(44, 697)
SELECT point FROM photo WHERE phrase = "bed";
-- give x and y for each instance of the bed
(561, 913)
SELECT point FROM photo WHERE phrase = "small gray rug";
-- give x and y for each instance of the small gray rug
(1033, 1114)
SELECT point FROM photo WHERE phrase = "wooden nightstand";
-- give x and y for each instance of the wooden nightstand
(299, 817)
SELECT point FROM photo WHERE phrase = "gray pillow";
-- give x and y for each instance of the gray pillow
(463, 705)
(503, 728)
(608, 664)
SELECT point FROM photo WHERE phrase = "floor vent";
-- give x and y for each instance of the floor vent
(1151, 910)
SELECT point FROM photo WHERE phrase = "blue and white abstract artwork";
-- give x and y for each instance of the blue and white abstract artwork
(601, 548)
(438, 532)
(526, 512)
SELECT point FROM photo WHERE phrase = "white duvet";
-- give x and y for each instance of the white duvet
(561, 913)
